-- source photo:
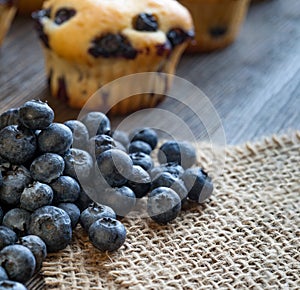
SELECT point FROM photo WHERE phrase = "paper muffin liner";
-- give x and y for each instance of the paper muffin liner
(7, 13)
(75, 83)
(217, 22)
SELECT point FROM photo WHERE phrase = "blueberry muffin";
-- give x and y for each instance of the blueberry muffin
(7, 13)
(89, 43)
(217, 22)
(28, 6)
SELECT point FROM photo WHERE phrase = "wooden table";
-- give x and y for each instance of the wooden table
(254, 84)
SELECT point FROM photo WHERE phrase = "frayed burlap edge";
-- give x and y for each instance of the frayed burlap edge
(246, 236)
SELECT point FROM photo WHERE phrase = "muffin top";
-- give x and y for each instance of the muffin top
(86, 30)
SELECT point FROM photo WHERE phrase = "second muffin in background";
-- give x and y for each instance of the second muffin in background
(217, 22)
(89, 43)
(7, 13)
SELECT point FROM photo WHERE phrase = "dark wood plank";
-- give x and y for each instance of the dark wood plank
(254, 84)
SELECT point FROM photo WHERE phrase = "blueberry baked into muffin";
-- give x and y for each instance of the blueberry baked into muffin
(7, 13)
(89, 43)
(217, 22)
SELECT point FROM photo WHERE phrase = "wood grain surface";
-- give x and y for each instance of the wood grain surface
(254, 84)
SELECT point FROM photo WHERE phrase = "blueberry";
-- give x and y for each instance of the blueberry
(147, 135)
(65, 189)
(121, 199)
(36, 115)
(38, 248)
(107, 234)
(9, 117)
(62, 89)
(17, 219)
(163, 205)
(7, 237)
(120, 146)
(198, 184)
(172, 167)
(166, 179)
(4, 165)
(139, 181)
(98, 183)
(47, 167)
(15, 179)
(18, 262)
(36, 195)
(218, 31)
(53, 226)
(112, 45)
(3, 274)
(38, 18)
(139, 146)
(64, 14)
(164, 50)
(94, 212)
(142, 159)
(100, 143)
(178, 36)
(84, 200)
(17, 145)
(145, 22)
(114, 165)
(72, 210)
(57, 138)
(11, 285)
(2, 161)
(1, 177)
(79, 164)
(180, 152)
(1, 215)
(97, 123)
(80, 133)
(121, 136)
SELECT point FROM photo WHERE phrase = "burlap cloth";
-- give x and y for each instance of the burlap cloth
(246, 236)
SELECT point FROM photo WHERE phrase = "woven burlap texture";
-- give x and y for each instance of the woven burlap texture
(246, 236)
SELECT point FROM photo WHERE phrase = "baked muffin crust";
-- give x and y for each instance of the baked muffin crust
(90, 20)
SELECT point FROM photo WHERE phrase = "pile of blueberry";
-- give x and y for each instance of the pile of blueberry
(54, 176)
